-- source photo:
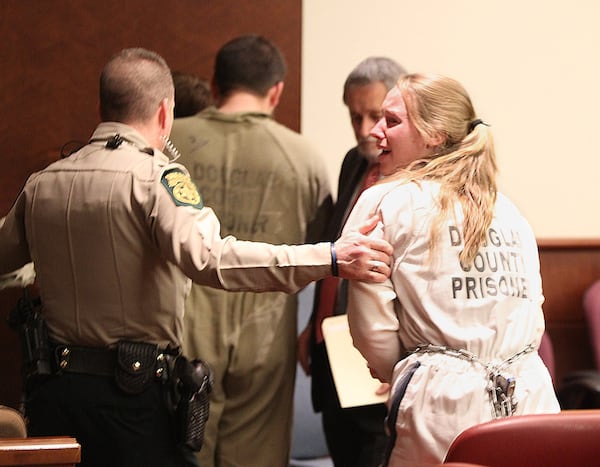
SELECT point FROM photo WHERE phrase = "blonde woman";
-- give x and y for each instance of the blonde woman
(457, 326)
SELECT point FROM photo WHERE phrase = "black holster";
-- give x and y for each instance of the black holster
(192, 382)
(27, 319)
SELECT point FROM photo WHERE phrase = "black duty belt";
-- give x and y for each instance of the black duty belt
(86, 360)
(104, 361)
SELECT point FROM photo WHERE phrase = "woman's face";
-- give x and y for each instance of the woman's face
(397, 138)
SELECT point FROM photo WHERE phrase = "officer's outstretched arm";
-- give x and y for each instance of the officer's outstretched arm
(362, 257)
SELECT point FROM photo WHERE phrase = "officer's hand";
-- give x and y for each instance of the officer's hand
(363, 258)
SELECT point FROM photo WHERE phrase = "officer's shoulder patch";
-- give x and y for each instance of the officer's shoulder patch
(181, 188)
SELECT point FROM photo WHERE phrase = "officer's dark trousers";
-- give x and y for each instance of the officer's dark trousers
(113, 428)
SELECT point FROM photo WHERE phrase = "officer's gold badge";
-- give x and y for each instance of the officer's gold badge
(181, 188)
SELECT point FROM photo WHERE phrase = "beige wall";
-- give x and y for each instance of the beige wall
(532, 68)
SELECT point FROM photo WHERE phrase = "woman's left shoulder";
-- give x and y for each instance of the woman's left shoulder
(394, 197)
(505, 204)
(393, 187)
(416, 194)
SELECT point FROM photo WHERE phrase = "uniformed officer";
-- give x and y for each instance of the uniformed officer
(116, 231)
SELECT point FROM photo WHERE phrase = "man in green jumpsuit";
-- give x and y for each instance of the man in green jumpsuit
(265, 183)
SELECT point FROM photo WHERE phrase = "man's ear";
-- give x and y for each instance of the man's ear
(274, 94)
(165, 115)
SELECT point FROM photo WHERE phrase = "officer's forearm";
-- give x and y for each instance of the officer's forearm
(263, 267)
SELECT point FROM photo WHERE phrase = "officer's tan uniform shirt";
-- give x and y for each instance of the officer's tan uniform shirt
(113, 239)
(492, 309)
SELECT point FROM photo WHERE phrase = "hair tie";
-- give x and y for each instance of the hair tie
(476, 122)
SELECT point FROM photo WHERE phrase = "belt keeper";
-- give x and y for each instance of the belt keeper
(334, 264)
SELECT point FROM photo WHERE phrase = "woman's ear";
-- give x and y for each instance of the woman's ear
(436, 140)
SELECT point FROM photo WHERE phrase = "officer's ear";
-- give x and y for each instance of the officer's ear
(165, 115)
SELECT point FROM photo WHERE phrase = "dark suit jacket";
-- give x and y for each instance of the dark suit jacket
(352, 172)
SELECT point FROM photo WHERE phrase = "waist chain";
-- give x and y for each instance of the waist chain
(500, 386)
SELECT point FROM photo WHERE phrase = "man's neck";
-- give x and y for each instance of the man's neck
(245, 102)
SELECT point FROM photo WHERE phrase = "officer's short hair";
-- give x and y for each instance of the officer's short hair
(132, 85)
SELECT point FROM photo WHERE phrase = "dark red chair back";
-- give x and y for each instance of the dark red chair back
(568, 438)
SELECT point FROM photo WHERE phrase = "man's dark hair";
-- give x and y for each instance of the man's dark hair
(250, 63)
(192, 94)
(132, 85)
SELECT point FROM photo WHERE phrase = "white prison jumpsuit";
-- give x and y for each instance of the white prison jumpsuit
(492, 309)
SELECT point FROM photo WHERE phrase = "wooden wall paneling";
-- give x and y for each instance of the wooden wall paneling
(52, 52)
(11, 383)
(568, 268)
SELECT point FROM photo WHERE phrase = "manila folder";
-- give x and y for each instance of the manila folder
(353, 382)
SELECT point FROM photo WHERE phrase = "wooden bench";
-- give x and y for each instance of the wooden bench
(42, 451)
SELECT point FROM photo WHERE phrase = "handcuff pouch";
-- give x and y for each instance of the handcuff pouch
(135, 368)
